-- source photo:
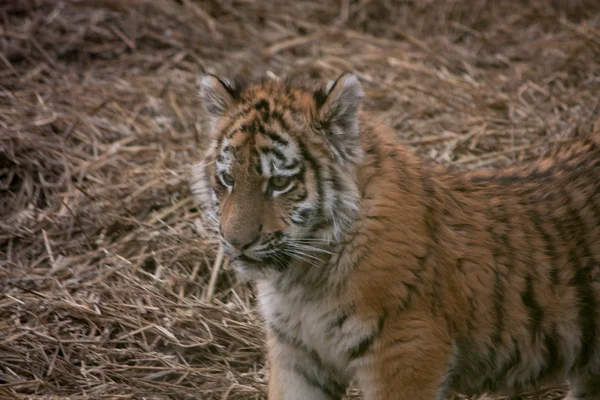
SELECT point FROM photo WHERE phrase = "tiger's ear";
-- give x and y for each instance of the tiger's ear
(338, 113)
(217, 95)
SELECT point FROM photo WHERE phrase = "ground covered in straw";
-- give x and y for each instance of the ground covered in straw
(109, 286)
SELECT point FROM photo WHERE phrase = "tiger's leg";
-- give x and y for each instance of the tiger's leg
(585, 388)
(297, 374)
(408, 362)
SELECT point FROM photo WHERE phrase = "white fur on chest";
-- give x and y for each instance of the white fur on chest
(315, 323)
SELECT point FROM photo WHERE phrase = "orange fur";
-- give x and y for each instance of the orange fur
(430, 281)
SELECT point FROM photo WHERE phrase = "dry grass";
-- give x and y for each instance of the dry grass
(105, 270)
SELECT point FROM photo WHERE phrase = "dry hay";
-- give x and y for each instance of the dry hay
(105, 270)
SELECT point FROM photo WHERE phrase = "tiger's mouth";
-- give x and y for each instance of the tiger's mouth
(247, 259)
(277, 255)
(278, 260)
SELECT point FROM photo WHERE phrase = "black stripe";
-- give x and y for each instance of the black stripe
(251, 126)
(411, 289)
(339, 322)
(301, 218)
(338, 203)
(512, 361)
(218, 187)
(262, 106)
(275, 138)
(301, 196)
(365, 344)
(587, 302)
(436, 287)
(272, 150)
(230, 89)
(548, 246)
(278, 154)
(317, 171)
(329, 386)
(430, 219)
(535, 311)
(279, 118)
(321, 223)
(222, 136)
(362, 347)
(592, 185)
(320, 97)
(431, 222)
(471, 314)
(280, 260)
(498, 301)
(489, 364)
(301, 173)
(528, 297)
(509, 250)
(227, 128)
(507, 178)
(586, 315)
(294, 342)
(498, 296)
(233, 132)
(293, 164)
(335, 179)
(593, 146)
(552, 361)
(332, 389)
(373, 150)
(341, 319)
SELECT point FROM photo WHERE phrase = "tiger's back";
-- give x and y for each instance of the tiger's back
(523, 245)
(503, 264)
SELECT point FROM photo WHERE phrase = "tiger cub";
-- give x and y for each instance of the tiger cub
(370, 266)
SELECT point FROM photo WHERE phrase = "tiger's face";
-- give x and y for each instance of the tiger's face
(278, 184)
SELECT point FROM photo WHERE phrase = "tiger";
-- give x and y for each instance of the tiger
(376, 268)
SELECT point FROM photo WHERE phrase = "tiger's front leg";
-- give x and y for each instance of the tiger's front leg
(297, 374)
(409, 362)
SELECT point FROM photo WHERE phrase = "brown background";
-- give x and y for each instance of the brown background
(105, 288)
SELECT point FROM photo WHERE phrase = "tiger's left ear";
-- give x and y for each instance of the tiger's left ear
(338, 114)
(217, 96)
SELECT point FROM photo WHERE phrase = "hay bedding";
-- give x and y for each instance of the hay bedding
(109, 285)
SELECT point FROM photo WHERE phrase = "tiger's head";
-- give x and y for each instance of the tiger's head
(278, 181)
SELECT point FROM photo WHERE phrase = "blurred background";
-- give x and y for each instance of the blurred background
(110, 287)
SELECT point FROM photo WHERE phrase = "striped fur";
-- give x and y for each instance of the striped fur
(413, 280)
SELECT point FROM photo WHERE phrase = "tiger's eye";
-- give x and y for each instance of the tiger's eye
(279, 182)
(228, 179)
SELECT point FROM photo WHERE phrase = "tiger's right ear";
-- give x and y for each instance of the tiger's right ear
(217, 95)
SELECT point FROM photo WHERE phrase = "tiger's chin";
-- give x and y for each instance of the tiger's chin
(250, 267)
